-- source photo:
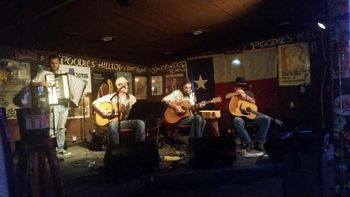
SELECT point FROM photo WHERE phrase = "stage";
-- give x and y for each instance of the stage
(83, 175)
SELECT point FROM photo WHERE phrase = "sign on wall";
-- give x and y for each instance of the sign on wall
(294, 64)
(83, 73)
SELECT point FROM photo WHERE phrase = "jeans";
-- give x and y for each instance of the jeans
(262, 121)
(58, 119)
(138, 126)
(196, 126)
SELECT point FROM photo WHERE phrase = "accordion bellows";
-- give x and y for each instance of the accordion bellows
(65, 87)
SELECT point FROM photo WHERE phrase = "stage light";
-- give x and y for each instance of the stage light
(107, 38)
(236, 62)
(321, 25)
(198, 32)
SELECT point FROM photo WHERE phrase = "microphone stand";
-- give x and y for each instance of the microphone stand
(84, 121)
(194, 111)
(118, 109)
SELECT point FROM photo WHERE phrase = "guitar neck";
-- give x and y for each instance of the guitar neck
(195, 106)
(208, 102)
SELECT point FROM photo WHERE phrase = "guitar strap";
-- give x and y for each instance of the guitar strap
(127, 106)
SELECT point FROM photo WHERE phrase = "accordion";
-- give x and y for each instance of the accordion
(64, 88)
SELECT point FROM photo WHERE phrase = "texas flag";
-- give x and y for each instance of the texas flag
(213, 77)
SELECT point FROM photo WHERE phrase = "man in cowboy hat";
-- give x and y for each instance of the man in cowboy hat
(262, 121)
(125, 100)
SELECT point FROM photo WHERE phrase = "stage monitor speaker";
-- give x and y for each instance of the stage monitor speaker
(209, 151)
(128, 159)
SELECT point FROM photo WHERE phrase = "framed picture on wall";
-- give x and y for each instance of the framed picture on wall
(173, 82)
(157, 85)
(14, 83)
(140, 87)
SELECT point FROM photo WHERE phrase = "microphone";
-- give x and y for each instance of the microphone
(117, 92)
(123, 86)
(192, 92)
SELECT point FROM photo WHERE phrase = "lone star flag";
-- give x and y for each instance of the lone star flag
(201, 73)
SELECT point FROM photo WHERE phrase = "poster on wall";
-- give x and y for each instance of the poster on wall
(102, 83)
(83, 73)
(128, 77)
(294, 64)
(173, 82)
(140, 87)
(14, 80)
(157, 85)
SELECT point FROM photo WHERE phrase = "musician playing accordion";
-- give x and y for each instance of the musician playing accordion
(59, 112)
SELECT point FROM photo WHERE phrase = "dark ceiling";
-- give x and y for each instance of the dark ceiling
(148, 32)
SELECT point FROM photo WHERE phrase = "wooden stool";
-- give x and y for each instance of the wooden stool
(31, 169)
(212, 117)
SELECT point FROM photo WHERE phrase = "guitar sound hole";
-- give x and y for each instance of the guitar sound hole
(244, 112)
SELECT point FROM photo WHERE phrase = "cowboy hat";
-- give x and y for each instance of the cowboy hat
(240, 81)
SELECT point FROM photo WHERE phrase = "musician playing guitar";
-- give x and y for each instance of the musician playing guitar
(111, 113)
(261, 120)
(182, 96)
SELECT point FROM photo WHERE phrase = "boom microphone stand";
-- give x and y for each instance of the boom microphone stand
(194, 111)
(83, 122)
(118, 109)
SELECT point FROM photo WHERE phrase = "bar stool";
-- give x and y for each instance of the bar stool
(31, 169)
(126, 135)
(35, 148)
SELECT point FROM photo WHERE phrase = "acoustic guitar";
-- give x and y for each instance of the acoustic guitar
(112, 110)
(172, 117)
(242, 108)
